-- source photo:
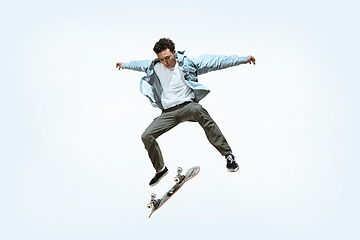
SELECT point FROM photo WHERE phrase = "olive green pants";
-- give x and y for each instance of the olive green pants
(170, 118)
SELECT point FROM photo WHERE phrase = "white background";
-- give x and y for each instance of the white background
(72, 162)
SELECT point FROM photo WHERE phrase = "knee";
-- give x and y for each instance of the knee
(147, 138)
(144, 137)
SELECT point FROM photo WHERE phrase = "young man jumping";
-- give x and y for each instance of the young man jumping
(171, 84)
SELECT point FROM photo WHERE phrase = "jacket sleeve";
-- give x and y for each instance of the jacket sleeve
(208, 63)
(140, 66)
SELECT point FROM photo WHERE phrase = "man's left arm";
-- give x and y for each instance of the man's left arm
(209, 63)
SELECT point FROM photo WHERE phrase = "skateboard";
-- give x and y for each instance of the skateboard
(180, 180)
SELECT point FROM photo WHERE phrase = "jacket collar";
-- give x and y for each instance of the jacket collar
(179, 52)
(179, 55)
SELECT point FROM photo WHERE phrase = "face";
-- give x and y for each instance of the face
(167, 58)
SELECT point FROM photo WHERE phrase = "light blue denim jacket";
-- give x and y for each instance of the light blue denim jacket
(150, 85)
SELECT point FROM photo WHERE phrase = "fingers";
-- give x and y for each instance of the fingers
(251, 59)
(119, 65)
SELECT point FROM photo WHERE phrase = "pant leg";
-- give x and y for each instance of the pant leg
(160, 125)
(195, 112)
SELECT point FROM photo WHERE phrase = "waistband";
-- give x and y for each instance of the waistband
(176, 107)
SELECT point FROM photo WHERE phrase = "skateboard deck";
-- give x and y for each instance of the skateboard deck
(180, 180)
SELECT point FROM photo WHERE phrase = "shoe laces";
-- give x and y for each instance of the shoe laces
(230, 158)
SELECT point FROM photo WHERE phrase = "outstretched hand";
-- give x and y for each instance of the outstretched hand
(251, 59)
(119, 65)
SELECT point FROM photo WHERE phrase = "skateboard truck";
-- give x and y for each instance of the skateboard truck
(179, 177)
(153, 202)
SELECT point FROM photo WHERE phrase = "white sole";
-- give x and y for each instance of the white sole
(235, 170)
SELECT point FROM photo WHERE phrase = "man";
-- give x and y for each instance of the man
(171, 84)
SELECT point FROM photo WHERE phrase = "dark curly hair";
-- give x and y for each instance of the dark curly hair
(163, 44)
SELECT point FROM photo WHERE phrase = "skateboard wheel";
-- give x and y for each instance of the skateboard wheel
(149, 205)
(153, 195)
(176, 179)
(179, 169)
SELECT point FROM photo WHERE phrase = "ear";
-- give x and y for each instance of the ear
(174, 51)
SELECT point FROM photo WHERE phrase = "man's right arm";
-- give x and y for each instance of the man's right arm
(140, 66)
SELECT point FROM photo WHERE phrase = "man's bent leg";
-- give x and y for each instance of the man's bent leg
(160, 125)
(195, 112)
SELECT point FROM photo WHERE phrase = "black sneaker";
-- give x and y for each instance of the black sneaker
(231, 165)
(158, 176)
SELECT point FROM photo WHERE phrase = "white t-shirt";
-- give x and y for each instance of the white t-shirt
(175, 89)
